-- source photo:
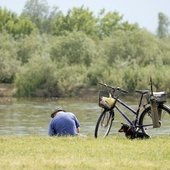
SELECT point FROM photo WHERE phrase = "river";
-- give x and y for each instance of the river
(28, 117)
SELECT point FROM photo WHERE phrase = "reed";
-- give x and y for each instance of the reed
(75, 153)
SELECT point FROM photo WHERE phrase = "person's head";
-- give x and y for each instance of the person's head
(56, 110)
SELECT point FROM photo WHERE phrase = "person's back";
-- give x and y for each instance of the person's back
(64, 123)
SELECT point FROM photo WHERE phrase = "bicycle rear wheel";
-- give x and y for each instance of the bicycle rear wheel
(164, 121)
(104, 123)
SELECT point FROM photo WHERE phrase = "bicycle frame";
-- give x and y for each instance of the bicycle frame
(135, 112)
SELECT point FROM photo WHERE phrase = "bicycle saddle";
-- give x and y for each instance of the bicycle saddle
(142, 91)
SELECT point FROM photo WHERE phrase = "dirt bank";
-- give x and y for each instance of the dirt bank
(6, 90)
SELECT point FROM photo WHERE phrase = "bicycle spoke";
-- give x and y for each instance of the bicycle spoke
(164, 122)
(104, 124)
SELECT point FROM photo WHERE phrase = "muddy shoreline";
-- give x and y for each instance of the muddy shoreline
(7, 92)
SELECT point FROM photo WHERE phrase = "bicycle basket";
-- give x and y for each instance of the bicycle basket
(159, 97)
(105, 100)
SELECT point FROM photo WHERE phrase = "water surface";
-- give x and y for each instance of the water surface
(24, 117)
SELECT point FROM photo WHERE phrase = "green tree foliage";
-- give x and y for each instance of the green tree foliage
(132, 45)
(131, 77)
(40, 14)
(163, 26)
(77, 19)
(43, 78)
(9, 64)
(108, 22)
(30, 45)
(80, 19)
(78, 50)
(36, 77)
(73, 48)
(164, 51)
(13, 24)
(70, 79)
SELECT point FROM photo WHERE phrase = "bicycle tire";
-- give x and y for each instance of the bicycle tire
(164, 121)
(104, 123)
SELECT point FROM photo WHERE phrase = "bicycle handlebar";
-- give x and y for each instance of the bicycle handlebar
(114, 88)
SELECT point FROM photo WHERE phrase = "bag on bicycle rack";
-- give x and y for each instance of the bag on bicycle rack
(154, 112)
(159, 97)
(105, 100)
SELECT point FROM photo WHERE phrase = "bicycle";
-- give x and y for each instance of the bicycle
(143, 121)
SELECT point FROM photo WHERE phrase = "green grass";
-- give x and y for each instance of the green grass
(78, 153)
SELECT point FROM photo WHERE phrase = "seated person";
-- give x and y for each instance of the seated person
(63, 123)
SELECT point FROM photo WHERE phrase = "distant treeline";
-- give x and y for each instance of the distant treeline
(48, 54)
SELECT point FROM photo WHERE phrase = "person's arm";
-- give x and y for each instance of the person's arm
(78, 129)
(77, 124)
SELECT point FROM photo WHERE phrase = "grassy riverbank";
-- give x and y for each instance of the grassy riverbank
(75, 153)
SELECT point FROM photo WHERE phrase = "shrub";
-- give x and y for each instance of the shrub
(35, 77)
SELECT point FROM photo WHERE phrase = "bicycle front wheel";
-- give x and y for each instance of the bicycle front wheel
(146, 123)
(104, 123)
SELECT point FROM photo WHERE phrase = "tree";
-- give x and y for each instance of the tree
(30, 45)
(9, 64)
(40, 14)
(130, 46)
(77, 19)
(35, 77)
(163, 26)
(73, 48)
(108, 22)
(15, 25)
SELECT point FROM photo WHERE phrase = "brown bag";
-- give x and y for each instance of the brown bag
(155, 113)
(154, 108)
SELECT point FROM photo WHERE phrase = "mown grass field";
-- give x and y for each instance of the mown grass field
(78, 153)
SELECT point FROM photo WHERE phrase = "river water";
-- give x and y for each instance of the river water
(28, 117)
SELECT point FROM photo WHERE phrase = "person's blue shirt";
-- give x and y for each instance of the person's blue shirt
(63, 124)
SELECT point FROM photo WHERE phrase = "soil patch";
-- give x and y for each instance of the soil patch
(6, 90)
